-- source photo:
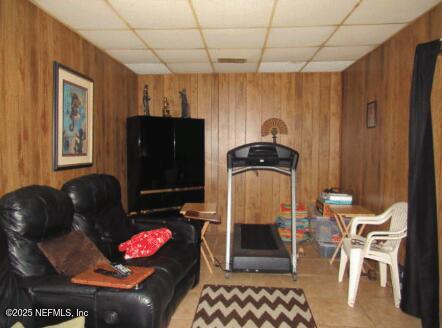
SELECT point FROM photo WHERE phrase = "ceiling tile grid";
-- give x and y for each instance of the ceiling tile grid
(269, 67)
(235, 38)
(155, 14)
(133, 56)
(190, 36)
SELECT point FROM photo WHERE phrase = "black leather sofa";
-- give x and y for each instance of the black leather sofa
(35, 213)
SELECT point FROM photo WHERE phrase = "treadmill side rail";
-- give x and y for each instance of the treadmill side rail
(229, 218)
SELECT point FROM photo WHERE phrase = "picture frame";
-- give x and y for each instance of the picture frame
(371, 116)
(73, 124)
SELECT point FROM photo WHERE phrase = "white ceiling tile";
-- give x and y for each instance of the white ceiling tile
(250, 55)
(113, 39)
(270, 67)
(363, 34)
(183, 55)
(327, 66)
(235, 68)
(133, 56)
(191, 68)
(311, 12)
(82, 14)
(231, 38)
(155, 13)
(288, 54)
(233, 13)
(389, 11)
(148, 68)
(172, 39)
(342, 53)
(299, 36)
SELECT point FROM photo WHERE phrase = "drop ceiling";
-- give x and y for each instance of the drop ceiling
(189, 36)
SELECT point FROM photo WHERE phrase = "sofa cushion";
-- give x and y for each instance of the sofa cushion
(28, 216)
(72, 253)
(175, 258)
(97, 203)
(11, 295)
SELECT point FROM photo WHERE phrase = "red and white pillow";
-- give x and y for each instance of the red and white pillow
(145, 243)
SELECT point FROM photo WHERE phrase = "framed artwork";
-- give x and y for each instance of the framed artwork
(73, 119)
(371, 118)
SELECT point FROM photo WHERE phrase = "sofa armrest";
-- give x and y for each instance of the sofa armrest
(189, 231)
(101, 306)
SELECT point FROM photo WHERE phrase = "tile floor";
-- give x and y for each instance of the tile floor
(319, 280)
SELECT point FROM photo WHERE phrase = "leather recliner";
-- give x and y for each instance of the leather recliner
(99, 213)
(37, 213)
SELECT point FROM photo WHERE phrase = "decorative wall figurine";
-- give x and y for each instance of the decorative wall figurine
(166, 110)
(185, 109)
(273, 126)
(146, 100)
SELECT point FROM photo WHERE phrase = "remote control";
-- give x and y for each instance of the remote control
(114, 274)
(121, 268)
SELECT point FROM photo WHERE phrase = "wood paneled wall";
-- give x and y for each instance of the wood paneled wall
(375, 161)
(234, 106)
(30, 41)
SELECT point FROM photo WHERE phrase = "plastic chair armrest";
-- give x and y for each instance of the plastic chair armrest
(371, 220)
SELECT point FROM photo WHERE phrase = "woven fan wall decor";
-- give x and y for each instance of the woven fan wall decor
(273, 126)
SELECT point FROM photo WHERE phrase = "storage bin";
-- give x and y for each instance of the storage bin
(326, 249)
(325, 230)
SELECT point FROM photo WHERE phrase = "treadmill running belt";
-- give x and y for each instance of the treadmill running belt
(257, 236)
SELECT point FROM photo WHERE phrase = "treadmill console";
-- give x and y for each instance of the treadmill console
(262, 154)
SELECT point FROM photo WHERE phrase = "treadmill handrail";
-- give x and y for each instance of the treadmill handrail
(239, 170)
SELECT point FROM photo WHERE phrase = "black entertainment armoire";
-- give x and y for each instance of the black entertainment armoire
(165, 162)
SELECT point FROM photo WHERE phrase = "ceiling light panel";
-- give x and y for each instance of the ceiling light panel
(327, 66)
(148, 68)
(299, 36)
(250, 55)
(363, 34)
(164, 14)
(271, 67)
(191, 68)
(183, 55)
(235, 68)
(311, 12)
(233, 13)
(231, 38)
(82, 14)
(113, 39)
(172, 39)
(288, 54)
(133, 56)
(389, 11)
(342, 53)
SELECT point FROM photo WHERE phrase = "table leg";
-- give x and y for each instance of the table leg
(206, 260)
(204, 243)
(344, 233)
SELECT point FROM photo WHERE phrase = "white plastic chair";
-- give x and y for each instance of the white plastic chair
(381, 246)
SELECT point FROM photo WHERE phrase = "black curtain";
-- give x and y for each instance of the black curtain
(420, 293)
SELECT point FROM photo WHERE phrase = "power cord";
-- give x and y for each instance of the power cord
(219, 265)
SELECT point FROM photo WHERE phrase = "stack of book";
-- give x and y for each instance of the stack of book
(329, 198)
(336, 198)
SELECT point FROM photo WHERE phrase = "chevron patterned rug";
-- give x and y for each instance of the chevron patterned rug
(242, 306)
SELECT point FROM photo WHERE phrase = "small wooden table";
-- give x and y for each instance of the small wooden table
(89, 277)
(205, 212)
(341, 212)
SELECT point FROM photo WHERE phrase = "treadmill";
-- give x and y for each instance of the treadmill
(258, 247)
